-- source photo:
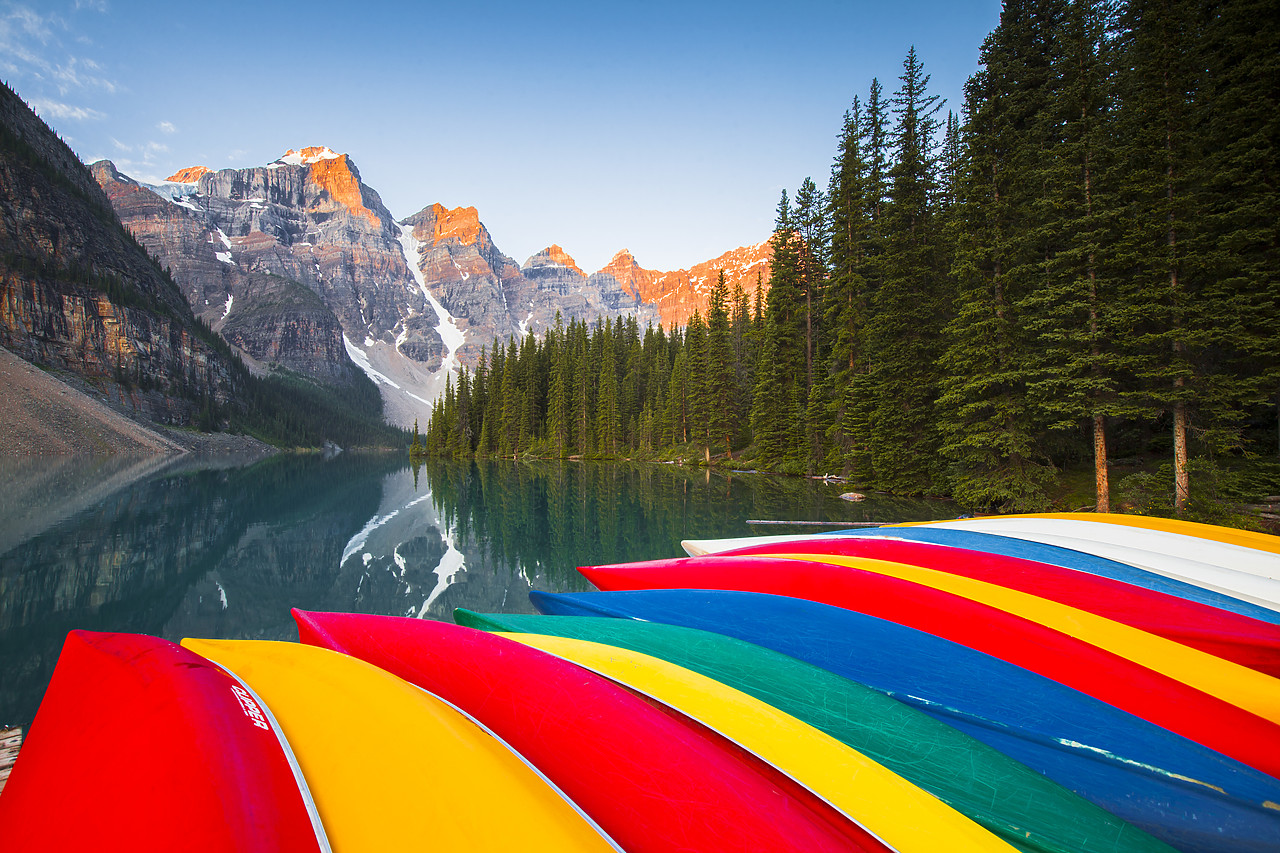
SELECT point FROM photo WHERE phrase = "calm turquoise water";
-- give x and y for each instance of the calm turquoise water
(221, 548)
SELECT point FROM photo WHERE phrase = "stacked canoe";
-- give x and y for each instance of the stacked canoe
(1065, 684)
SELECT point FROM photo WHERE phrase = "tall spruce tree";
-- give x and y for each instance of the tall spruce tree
(811, 245)
(511, 403)
(1240, 238)
(846, 302)
(989, 424)
(695, 345)
(1079, 355)
(583, 403)
(719, 385)
(608, 418)
(912, 302)
(558, 394)
(776, 412)
(1180, 318)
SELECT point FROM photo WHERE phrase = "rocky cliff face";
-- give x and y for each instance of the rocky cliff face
(466, 272)
(557, 285)
(288, 259)
(676, 295)
(77, 293)
(270, 319)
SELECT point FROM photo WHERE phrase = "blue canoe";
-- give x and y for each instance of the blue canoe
(1056, 555)
(1189, 796)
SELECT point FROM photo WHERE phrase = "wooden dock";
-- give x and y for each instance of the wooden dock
(10, 741)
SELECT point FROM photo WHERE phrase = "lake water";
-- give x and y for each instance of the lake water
(224, 548)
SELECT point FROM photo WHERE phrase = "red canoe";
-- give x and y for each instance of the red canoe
(1248, 642)
(1151, 695)
(651, 778)
(140, 744)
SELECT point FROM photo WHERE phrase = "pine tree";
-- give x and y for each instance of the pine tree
(1179, 316)
(875, 134)
(911, 303)
(678, 399)
(811, 250)
(608, 420)
(480, 403)
(698, 405)
(583, 402)
(558, 399)
(1241, 216)
(988, 421)
(846, 303)
(719, 385)
(777, 411)
(493, 413)
(1078, 353)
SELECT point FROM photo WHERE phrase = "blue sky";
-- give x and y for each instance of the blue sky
(667, 128)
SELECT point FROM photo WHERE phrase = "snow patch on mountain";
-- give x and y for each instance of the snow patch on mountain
(361, 360)
(447, 328)
(307, 156)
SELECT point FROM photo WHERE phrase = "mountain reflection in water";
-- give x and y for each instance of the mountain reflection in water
(220, 548)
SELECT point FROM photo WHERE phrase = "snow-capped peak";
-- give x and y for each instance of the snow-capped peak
(308, 155)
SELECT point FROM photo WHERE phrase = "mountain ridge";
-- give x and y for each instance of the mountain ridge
(462, 226)
(406, 301)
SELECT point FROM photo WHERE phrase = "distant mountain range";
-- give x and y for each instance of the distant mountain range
(296, 265)
(299, 265)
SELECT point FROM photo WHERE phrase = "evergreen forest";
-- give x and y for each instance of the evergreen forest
(1077, 270)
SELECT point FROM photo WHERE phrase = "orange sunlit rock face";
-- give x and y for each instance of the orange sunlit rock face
(334, 175)
(462, 225)
(189, 175)
(561, 257)
(679, 293)
(633, 278)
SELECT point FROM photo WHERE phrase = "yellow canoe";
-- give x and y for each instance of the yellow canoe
(392, 767)
(895, 811)
(1245, 688)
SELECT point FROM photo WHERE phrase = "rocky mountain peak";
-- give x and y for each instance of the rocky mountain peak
(553, 254)
(631, 277)
(460, 225)
(189, 175)
(336, 175)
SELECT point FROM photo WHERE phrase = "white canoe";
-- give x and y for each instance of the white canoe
(1205, 563)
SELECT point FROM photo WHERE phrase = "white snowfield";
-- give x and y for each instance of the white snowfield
(295, 158)
(447, 327)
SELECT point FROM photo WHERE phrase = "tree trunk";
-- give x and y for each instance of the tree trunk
(1102, 483)
(1181, 480)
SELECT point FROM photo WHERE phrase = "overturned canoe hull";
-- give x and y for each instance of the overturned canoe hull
(1009, 799)
(652, 780)
(142, 745)
(1184, 794)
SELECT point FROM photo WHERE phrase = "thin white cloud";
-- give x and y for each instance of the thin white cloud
(48, 109)
(95, 5)
(21, 21)
(167, 127)
(81, 73)
(31, 45)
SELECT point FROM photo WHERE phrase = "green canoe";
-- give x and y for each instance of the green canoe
(1019, 805)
